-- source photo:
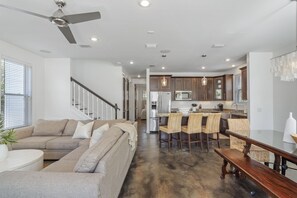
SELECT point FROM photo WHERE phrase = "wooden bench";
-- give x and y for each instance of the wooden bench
(270, 180)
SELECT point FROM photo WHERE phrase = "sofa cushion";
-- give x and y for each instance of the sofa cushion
(34, 142)
(83, 130)
(63, 143)
(71, 126)
(99, 123)
(89, 160)
(61, 166)
(97, 134)
(76, 153)
(49, 127)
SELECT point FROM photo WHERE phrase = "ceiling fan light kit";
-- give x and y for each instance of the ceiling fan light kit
(61, 20)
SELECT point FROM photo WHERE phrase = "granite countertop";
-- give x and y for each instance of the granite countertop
(227, 113)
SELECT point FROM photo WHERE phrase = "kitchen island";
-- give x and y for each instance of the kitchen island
(226, 114)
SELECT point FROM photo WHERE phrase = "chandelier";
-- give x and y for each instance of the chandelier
(285, 66)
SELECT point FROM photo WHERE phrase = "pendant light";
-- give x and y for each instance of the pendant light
(204, 81)
(164, 82)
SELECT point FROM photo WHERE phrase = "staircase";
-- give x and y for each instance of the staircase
(91, 104)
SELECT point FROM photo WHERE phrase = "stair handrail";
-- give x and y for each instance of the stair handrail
(115, 106)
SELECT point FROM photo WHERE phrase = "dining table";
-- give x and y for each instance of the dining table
(272, 141)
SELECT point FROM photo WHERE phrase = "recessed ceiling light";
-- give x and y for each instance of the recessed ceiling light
(94, 39)
(202, 67)
(227, 59)
(163, 67)
(151, 32)
(131, 62)
(233, 65)
(138, 76)
(144, 3)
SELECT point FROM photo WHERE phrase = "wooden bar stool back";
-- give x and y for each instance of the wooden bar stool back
(242, 126)
(173, 126)
(212, 127)
(194, 127)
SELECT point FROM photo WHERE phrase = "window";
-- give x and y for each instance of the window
(238, 91)
(15, 93)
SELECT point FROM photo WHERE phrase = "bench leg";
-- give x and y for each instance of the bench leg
(224, 169)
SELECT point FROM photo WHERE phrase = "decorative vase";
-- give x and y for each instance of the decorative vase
(289, 129)
(3, 152)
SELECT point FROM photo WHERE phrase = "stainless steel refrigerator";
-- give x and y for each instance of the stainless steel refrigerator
(160, 102)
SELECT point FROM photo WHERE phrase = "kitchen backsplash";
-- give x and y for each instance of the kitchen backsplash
(207, 104)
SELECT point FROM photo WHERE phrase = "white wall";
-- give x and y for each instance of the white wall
(260, 90)
(37, 64)
(57, 88)
(103, 78)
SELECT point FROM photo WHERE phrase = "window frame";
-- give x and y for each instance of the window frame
(27, 90)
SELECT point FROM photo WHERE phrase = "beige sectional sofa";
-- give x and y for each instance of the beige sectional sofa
(54, 137)
(98, 171)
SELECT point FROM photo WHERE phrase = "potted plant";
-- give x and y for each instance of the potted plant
(6, 137)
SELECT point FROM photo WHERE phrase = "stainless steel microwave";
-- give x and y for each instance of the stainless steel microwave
(183, 95)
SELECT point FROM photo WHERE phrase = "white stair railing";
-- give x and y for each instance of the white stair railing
(91, 104)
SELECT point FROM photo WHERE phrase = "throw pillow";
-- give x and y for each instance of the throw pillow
(83, 130)
(97, 134)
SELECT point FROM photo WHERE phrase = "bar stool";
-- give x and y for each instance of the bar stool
(242, 126)
(212, 127)
(194, 127)
(173, 127)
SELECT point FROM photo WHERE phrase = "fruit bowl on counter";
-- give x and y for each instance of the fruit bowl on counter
(294, 136)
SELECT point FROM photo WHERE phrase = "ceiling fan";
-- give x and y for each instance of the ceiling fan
(61, 20)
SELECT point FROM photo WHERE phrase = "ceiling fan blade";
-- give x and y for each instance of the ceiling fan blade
(23, 11)
(78, 18)
(68, 34)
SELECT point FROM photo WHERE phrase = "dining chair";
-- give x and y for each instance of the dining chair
(242, 126)
(173, 127)
(212, 128)
(194, 127)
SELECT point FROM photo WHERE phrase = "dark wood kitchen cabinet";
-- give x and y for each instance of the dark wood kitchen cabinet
(205, 93)
(228, 87)
(223, 87)
(156, 83)
(183, 84)
(243, 83)
(218, 88)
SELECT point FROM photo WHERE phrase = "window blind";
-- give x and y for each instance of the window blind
(15, 99)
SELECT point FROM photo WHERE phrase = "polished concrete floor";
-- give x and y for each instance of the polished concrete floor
(156, 172)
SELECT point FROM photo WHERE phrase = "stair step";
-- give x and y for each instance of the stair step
(84, 108)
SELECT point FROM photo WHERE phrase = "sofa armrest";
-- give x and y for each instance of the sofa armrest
(23, 132)
(33, 184)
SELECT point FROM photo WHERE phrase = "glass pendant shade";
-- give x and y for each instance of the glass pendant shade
(164, 82)
(204, 81)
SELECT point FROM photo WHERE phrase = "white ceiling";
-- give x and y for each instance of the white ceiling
(188, 28)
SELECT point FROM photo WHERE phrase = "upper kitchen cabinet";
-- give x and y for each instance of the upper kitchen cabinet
(160, 83)
(244, 83)
(183, 84)
(219, 88)
(204, 92)
(223, 87)
(228, 87)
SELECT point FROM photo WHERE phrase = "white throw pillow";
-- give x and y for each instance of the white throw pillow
(83, 130)
(97, 134)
